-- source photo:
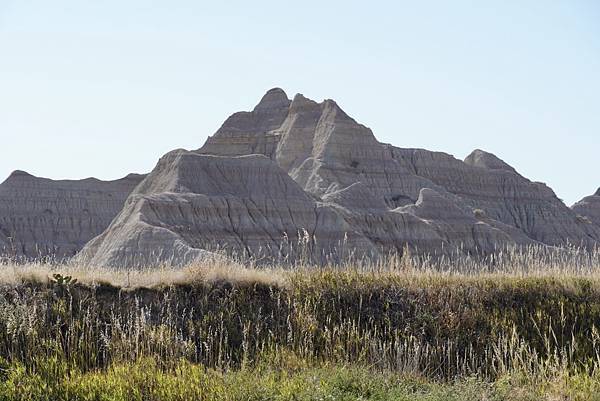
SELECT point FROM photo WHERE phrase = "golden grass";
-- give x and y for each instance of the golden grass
(209, 272)
(530, 262)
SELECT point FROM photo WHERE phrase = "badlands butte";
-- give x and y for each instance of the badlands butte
(290, 179)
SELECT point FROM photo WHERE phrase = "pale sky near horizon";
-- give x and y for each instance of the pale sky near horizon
(104, 88)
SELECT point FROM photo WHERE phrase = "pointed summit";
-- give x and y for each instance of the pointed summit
(301, 102)
(17, 176)
(483, 159)
(275, 98)
(249, 132)
(589, 208)
(19, 173)
(268, 115)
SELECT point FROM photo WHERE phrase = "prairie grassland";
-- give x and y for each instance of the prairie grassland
(521, 325)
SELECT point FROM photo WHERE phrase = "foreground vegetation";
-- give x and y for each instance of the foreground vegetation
(526, 329)
(145, 380)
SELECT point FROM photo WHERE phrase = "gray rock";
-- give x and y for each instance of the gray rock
(461, 229)
(40, 217)
(250, 132)
(328, 153)
(244, 205)
(588, 209)
(503, 194)
(483, 159)
(300, 180)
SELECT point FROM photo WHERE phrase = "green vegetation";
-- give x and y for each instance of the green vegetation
(227, 333)
(145, 380)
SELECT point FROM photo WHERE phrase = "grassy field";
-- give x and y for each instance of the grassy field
(518, 326)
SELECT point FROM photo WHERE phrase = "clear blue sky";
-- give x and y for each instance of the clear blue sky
(104, 88)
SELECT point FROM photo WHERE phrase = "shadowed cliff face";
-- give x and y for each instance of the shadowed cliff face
(588, 209)
(45, 218)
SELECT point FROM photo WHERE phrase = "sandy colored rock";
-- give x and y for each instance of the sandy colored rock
(299, 165)
(462, 229)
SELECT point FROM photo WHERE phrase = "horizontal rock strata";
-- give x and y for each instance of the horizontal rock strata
(588, 209)
(296, 180)
(244, 205)
(42, 218)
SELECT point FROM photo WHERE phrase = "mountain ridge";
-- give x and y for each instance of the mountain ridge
(293, 170)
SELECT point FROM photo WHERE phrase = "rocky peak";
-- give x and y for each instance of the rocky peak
(588, 209)
(20, 173)
(250, 132)
(302, 103)
(274, 99)
(321, 134)
(266, 116)
(17, 175)
(483, 159)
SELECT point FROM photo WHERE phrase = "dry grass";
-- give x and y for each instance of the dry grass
(530, 262)
(530, 315)
(209, 272)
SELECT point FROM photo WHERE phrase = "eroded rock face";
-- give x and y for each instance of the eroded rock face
(340, 162)
(488, 161)
(588, 209)
(463, 228)
(503, 194)
(292, 166)
(244, 205)
(40, 217)
(247, 133)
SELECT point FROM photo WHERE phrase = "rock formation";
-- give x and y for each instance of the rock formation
(296, 179)
(328, 153)
(588, 209)
(40, 217)
(488, 161)
(245, 205)
(247, 133)
(485, 182)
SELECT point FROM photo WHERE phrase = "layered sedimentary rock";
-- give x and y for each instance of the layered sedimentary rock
(588, 209)
(340, 162)
(327, 153)
(488, 161)
(467, 230)
(296, 179)
(40, 217)
(487, 183)
(249, 132)
(244, 205)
